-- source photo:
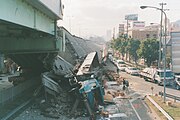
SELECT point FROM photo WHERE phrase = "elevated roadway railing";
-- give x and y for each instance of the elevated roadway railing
(170, 96)
(29, 26)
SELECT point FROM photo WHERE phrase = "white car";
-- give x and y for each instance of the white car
(120, 62)
(132, 70)
(121, 67)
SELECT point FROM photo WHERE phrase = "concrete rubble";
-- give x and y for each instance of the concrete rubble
(60, 103)
(118, 102)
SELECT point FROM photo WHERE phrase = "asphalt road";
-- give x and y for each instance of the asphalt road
(143, 87)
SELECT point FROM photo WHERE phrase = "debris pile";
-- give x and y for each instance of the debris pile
(73, 93)
(55, 107)
(80, 92)
(115, 86)
(113, 76)
(15, 80)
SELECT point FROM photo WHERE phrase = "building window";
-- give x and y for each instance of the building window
(147, 35)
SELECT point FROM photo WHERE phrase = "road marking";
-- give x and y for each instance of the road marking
(135, 111)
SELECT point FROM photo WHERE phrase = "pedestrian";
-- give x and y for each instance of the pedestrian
(124, 81)
(118, 71)
(124, 84)
(127, 85)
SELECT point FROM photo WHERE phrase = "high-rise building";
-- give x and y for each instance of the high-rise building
(121, 29)
(108, 35)
(175, 26)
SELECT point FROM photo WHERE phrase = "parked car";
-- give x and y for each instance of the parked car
(132, 70)
(122, 67)
(177, 82)
(157, 76)
(120, 63)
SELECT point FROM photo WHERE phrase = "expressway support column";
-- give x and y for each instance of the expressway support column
(1, 62)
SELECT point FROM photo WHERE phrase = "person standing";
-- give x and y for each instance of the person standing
(118, 71)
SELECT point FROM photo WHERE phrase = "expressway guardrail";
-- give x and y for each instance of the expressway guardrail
(170, 96)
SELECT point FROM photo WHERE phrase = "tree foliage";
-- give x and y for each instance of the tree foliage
(133, 46)
(149, 50)
(120, 44)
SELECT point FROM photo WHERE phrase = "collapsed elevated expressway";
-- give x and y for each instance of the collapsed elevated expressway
(30, 37)
(28, 31)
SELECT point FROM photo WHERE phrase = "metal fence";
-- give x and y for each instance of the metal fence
(170, 96)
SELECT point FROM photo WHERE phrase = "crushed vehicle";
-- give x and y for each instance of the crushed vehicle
(82, 86)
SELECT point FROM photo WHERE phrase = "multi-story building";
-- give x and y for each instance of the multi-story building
(151, 31)
(143, 34)
(175, 26)
(121, 29)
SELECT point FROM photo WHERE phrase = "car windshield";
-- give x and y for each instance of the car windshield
(168, 74)
(133, 68)
(121, 62)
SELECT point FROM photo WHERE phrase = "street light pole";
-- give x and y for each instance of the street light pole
(165, 36)
(160, 40)
(164, 46)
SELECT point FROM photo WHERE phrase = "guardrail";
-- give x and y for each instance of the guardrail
(160, 109)
(170, 96)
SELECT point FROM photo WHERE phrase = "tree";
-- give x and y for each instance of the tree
(149, 51)
(120, 44)
(133, 46)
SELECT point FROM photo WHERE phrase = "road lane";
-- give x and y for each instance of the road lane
(144, 87)
(141, 86)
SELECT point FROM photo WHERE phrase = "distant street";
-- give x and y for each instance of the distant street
(143, 87)
(140, 85)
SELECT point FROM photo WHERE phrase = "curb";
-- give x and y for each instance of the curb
(160, 109)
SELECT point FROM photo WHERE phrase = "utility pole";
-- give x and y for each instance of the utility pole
(161, 34)
(164, 47)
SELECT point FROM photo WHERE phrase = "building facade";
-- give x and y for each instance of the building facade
(143, 34)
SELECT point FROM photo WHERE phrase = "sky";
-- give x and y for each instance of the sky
(86, 18)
